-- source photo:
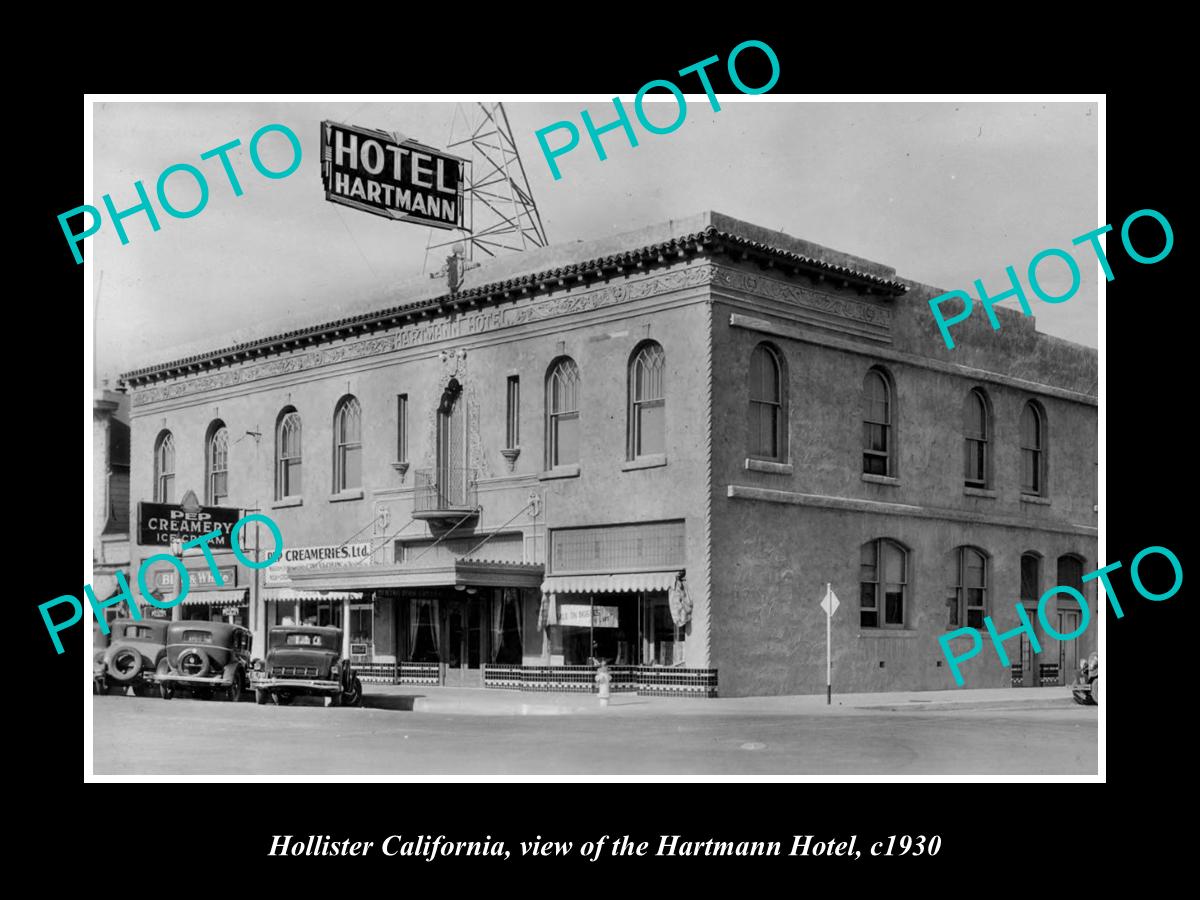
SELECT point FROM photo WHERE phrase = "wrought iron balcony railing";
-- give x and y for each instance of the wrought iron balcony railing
(444, 491)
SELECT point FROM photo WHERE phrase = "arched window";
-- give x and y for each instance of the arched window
(976, 433)
(971, 600)
(562, 413)
(216, 463)
(1031, 578)
(768, 409)
(647, 402)
(1070, 572)
(883, 580)
(877, 424)
(347, 445)
(164, 468)
(288, 455)
(1033, 450)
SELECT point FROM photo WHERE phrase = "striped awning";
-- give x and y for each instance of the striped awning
(291, 595)
(609, 584)
(218, 598)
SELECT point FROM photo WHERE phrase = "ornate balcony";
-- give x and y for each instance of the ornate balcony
(444, 493)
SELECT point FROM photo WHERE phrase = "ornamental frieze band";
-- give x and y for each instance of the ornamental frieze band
(464, 325)
(807, 299)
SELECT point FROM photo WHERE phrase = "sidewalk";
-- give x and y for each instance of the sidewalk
(495, 702)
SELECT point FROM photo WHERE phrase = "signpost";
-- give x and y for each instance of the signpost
(830, 605)
(387, 175)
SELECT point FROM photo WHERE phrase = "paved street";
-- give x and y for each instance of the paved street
(637, 736)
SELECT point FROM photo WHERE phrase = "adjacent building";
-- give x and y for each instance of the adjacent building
(656, 449)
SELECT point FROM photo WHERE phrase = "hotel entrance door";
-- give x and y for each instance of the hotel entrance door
(463, 637)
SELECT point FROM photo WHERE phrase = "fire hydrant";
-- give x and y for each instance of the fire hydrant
(602, 679)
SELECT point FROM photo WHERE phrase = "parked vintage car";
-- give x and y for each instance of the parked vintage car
(205, 658)
(305, 660)
(1086, 689)
(134, 650)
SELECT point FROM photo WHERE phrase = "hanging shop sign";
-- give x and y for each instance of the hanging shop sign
(384, 174)
(582, 615)
(159, 523)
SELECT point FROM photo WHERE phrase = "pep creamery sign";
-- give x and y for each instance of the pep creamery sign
(160, 523)
(386, 175)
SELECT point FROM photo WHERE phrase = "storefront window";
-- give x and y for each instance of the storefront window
(362, 619)
(622, 629)
(424, 630)
(506, 627)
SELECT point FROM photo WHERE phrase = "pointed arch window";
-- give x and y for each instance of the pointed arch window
(347, 445)
(647, 402)
(562, 413)
(216, 464)
(164, 468)
(288, 456)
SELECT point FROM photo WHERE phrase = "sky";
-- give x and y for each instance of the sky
(946, 193)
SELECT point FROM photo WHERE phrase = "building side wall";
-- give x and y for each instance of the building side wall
(787, 533)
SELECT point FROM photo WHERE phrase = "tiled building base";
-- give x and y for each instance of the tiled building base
(646, 680)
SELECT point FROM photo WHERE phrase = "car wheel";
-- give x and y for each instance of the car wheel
(261, 698)
(193, 662)
(125, 665)
(233, 693)
(1080, 698)
(1095, 695)
(353, 697)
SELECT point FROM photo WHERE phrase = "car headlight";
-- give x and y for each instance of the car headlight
(258, 666)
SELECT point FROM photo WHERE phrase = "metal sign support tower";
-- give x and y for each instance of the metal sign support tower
(502, 212)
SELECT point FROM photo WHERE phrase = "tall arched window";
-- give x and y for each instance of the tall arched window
(971, 600)
(883, 580)
(562, 413)
(877, 424)
(768, 409)
(216, 464)
(1033, 449)
(976, 434)
(288, 455)
(347, 445)
(164, 468)
(647, 402)
(1070, 572)
(1031, 578)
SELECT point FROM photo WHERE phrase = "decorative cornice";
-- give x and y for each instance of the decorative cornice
(711, 240)
(465, 325)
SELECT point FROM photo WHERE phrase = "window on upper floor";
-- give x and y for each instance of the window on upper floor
(1033, 449)
(647, 401)
(288, 455)
(216, 464)
(512, 418)
(883, 580)
(768, 405)
(164, 468)
(402, 428)
(347, 445)
(878, 436)
(970, 603)
(562, 413)
(976, 434)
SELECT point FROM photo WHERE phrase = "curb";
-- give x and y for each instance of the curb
(939, 705)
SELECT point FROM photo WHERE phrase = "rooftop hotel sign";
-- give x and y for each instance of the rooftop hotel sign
(389, 176)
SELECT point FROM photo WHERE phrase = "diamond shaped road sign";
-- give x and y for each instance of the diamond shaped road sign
(830, 603)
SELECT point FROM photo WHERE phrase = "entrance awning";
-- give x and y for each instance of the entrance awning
(217, 598)
(291, 595)
(609, 584)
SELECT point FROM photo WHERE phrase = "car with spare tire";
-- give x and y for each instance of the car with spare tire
(206, 659)
(134, 650)
(305, 660)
